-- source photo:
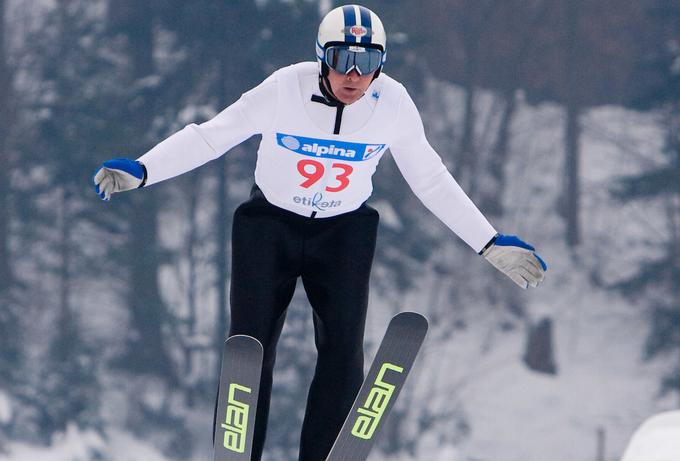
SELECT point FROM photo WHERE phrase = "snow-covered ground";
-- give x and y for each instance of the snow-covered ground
(76, 445)
(658, 439)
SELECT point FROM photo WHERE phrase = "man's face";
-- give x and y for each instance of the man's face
(350, 87)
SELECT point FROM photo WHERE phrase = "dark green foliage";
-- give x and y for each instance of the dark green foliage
(650, 184)
(657, 281)
(63, 388)
(666, 328)
(145, 348)
(68, 389)
(662, 272)
(657, 82)
(98, 84)
(10, 342)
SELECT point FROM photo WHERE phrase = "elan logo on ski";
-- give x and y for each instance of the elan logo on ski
(236, 397)
(385, 379)
(376, 403)
(236, 423)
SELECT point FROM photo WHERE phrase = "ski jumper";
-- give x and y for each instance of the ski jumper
(307, 218)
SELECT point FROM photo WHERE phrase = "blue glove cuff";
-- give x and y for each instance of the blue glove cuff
(513, 241)
(132, 167)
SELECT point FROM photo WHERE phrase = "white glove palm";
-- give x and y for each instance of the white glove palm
(118, 175)
(517, 260)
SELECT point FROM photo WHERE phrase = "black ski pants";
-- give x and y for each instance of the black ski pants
(271, 248)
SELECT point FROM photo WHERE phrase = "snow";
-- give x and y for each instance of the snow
(77, 445)
(72, 445)
(597, 386)
(519, 415)
(658, 439)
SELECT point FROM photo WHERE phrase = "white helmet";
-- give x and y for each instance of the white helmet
(350, 25)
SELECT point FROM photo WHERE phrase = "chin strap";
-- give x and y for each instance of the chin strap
(325, 87)
(329, 99)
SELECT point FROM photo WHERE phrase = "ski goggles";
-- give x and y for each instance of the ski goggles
(345, 58)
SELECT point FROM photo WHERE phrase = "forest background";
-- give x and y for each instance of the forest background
(560, 118)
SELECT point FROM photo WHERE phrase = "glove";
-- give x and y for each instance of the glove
(516, 259)
(118, 175)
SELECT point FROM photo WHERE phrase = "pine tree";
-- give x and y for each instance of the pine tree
(146, 350)
(66, 389)
(10, 335)
(657, 280)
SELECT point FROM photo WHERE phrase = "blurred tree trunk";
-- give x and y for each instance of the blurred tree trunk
(539, 355)
(10, 344)
(68, 388)
(192, 242)
(467, 154)
(64, 275)
(600, 453)
(233, 71)
(672, 206)
(223, 230)
(572, 188)
(6, 121)
(572, 191)
(471, 33)
(146, 350)
(192, 285)
(491, 198)
(10, 312)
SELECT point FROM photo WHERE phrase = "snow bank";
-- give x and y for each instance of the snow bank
(658, 439)
(77, 445)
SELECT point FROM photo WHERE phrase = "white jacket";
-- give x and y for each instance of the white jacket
(304, 168)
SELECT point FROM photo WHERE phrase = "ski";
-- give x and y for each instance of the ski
(237, 398)
(393, 361)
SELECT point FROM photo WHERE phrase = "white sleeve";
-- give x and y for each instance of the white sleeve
(196, 145)
(429, 179)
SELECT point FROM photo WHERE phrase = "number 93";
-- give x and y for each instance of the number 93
(313, 170)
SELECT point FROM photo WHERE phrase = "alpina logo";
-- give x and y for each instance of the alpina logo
(327, 148)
